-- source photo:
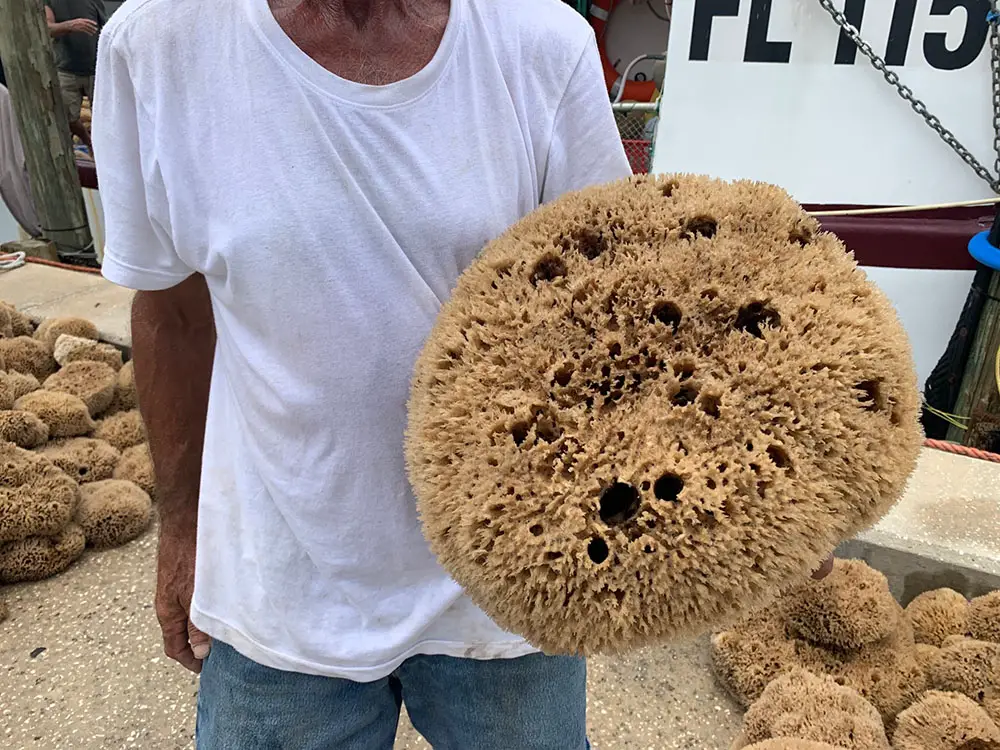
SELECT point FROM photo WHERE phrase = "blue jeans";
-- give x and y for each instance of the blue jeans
(535, 702)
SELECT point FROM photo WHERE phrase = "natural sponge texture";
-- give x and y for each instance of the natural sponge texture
(113, 512)
(984, 617)
(969, 667)
(804, 706)
(122, 430)
(39, 557)
(36, 498)
(126, 398)
(93, 382)
(65, 414)
(23, 428)
(136, 465)
(27, 355)
(850, 608)
(937, 614)
(51, 329)
(661, 384)
(887, 672)
(945, 721)
(20, 324)
(19, 383)
(84, 459)
(76, 349)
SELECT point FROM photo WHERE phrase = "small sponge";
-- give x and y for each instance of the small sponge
(25, 354)
(20, 324)
(39, 557)
(984, 617)
(122, 430)
(804, 706)
(75, 349)
(926, 654)
(93, 382)
(660, 382)
(66, 415)
(84, 459)
(113, 512)
(126, 399)
(36, 498)
(51, 329)
(937, 614)
(945, 721)
(19, 383)
(136, 465)
(23, 428)
(850, 608)
(969, 667)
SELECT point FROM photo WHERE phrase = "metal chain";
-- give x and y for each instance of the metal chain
(906, 93)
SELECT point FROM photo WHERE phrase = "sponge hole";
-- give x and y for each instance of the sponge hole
(619, 503)
(686, 395)
(548, 268)
(701, 226)
(564, 374)
(668, 488)
(753, 318)
(667, 313)
(597, 550)
(779, 457)
(871, 395)
(800, 235)
(711, 405)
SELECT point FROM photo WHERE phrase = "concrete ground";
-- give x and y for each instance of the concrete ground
(81, 668)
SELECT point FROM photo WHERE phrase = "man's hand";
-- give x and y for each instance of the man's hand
(182, 641)
(82, 25)
(824, 570)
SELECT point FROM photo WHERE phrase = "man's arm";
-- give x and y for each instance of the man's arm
(173, 345)
(62, 28)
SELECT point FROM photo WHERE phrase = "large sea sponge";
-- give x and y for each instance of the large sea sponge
(804, 706)
(938, 614)
(51, 329)
(651, 404)
(39, 557)
(136, 465)
(945, 721)
(19, 383)
(65, 414)
(84, 459)
(850, 608)
(122, 430)
(113, 512)
(36, 498)
(93, 382)
(25, 354)
(984, 617)
(969, 667)
(22, 428)
(77, 349)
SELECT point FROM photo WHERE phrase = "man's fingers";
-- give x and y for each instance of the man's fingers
(177, 646)
(201, 644)
(824, 570)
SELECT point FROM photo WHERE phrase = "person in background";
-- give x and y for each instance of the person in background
(15, 187)
(74, 26)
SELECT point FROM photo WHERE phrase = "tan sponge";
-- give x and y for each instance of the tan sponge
(651, 404)
(938, 614)
(113, 512)
(36, 498)
(39, 557)
(945, 721)
(804, 706)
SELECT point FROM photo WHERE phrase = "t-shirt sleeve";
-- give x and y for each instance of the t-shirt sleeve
(586, 148)
(138, 250)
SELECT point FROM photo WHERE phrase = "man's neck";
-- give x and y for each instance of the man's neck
(368, 41)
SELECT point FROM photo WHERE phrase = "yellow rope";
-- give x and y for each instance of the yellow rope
(907, 209)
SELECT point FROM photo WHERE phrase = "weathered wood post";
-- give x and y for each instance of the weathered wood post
(979, 397)
(29, 66)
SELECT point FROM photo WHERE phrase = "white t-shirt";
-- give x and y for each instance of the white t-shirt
(330, 220)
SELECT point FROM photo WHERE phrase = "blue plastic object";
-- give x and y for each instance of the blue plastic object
(986, 253)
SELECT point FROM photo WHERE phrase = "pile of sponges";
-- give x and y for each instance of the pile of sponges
(839, 663)
(75, 467)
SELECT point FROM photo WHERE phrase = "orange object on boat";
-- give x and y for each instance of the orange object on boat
(635, 91)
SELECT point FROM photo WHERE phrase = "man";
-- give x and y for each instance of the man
(294, 186)
(15, 187)
(74, 26)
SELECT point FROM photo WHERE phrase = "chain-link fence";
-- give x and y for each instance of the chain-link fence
(635, 127)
